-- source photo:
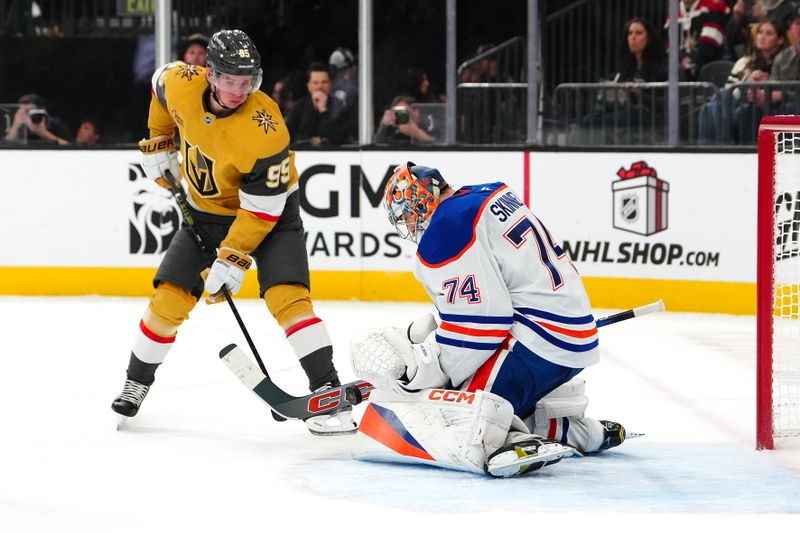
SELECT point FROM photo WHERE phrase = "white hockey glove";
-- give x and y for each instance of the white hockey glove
(228, 269)
(419, 329)
(158, 156)
(424, 370)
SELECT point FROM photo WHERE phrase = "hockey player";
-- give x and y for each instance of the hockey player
(515, 329)
(243, 196)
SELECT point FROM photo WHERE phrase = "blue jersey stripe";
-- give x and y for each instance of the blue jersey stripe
(587, 319)
(477, 319)
(467, 344)
(553, 340)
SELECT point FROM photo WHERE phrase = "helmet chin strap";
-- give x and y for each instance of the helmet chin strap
(217, 100)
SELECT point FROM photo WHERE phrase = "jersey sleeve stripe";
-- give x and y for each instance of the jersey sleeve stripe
(477, 319)
(263, 216)
(578, 334)
(453, 328)
(264, 207)
(576, 348)
(538, 313)
(468, 344)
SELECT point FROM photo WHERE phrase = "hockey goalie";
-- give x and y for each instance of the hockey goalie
(489, 387)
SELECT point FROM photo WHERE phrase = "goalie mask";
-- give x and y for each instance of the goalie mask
(411, 197)
(232, 53)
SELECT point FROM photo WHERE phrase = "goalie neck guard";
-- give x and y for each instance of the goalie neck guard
(411, 197)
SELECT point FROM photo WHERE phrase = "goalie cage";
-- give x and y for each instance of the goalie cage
(778, 282)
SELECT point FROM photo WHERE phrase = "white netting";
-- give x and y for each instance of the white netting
(786, 283)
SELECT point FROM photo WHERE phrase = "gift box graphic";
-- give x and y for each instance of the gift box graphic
(640, 200)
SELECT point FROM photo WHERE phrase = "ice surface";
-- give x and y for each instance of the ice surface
(205, 455)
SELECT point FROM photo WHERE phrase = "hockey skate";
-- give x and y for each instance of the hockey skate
(613, 435)
(337, 422)
(525, 456)
(130, 399)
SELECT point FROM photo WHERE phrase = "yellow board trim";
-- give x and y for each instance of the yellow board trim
(615, 293)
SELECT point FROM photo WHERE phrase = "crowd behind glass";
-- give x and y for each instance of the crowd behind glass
(739, 61)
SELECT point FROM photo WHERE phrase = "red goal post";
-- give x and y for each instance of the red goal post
(778, 282)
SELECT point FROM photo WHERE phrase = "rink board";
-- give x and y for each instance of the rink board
(685, 232)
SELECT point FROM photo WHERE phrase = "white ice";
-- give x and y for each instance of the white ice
(205, 455)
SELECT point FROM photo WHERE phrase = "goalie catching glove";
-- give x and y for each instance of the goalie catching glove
(228, 269)
(158, 157)
(387, 359)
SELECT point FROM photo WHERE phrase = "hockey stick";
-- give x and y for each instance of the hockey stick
(631, 313)
(180, 198)
(352, 393)
(283, 403)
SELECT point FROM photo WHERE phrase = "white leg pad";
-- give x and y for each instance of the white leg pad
(567, 400)
(585, 434)
(450, 429)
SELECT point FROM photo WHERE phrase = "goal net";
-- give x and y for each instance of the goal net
(778, 280)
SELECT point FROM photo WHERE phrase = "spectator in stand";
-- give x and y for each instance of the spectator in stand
(311, 121)
(194, 52)
(417, 85)
(33, 124)
(702, 33)
(751, 104)
(400, 124)
(641, 59)
(787, 63)
(641, 54)
(284, 91)
(344, 74)
(743, 14)
(746, 14)
(484, 70)
(90, 133)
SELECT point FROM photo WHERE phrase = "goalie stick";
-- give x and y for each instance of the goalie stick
(303, 407)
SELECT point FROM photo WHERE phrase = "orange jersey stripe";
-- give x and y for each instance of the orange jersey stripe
(474, 332)
(580, 334)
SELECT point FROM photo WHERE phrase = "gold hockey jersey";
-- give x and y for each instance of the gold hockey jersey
(237, 165)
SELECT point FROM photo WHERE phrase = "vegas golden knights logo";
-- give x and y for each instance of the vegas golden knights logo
(200, 171)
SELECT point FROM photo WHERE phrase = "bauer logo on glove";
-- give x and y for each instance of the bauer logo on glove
(156, 144)
(242, 261)
(228, 270)
(158, 158)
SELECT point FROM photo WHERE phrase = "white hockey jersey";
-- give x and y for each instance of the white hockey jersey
(496, 275)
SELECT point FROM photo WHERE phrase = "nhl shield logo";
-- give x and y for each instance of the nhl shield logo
(629, 208)
(640, 200)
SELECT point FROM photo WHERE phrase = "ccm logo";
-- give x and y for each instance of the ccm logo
(323, 402)
(451, 396)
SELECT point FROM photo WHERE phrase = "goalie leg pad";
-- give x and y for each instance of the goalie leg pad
(568, 399)
(586, 434)
(450, 429)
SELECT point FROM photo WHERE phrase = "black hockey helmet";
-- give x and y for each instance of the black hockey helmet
(233, 52)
